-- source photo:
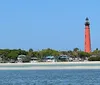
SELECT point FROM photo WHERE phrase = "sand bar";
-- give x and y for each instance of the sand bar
(50, 65)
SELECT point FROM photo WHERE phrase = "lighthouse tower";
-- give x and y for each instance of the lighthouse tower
(87, 37)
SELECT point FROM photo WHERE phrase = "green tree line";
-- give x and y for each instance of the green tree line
(8, 54)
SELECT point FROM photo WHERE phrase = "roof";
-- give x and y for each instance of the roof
(34, 58)
(64, 56)
(49, 56)
(19, 56)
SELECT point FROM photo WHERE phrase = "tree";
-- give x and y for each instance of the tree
(83, 54)
(64, 52)
(49, 52)
(36, 54)
(30, 52)
(76, 49)
(70, 53)
(96, 52)
(13, 55)
(22, 52)
(75, 52)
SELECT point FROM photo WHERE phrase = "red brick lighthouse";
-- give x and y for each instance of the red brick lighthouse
(87, 37)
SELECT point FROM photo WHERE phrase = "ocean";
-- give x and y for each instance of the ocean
(50, 77)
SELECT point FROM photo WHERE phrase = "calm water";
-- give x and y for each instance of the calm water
(50, 77)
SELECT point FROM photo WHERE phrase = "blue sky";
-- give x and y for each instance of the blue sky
(56, 24)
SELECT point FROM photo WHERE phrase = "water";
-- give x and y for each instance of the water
(50, 77)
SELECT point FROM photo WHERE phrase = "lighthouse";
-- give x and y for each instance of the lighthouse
(87, 47)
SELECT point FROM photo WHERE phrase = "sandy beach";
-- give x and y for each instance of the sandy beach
(50, 65)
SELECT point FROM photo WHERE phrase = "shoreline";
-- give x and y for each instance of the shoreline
(56, 63)
(50, 65)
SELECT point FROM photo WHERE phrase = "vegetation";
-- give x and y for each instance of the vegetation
(8, 54)
(94, 58)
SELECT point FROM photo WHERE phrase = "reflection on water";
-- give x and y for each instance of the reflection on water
(50, 77)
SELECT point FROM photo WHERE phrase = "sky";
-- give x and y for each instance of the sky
(41, 24)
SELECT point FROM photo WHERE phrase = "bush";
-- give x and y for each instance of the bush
(94, 58)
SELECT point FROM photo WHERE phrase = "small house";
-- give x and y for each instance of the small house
(49, 59)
